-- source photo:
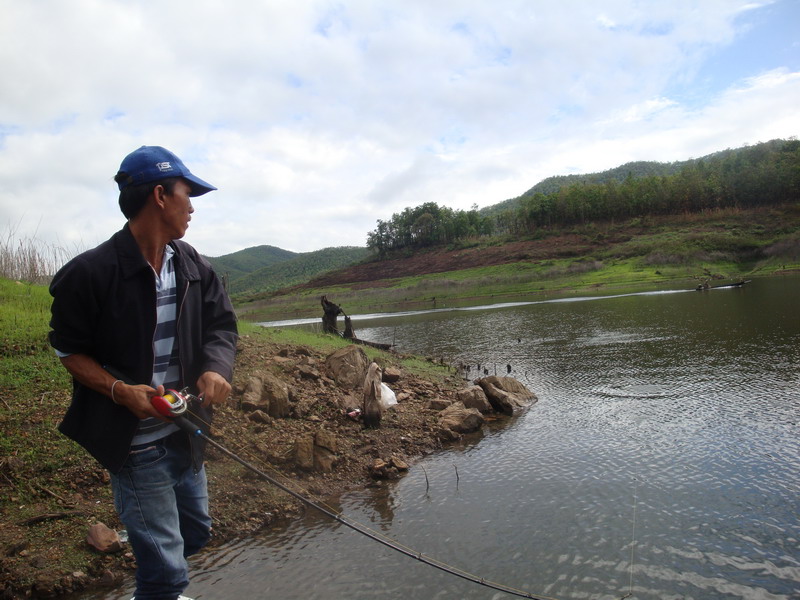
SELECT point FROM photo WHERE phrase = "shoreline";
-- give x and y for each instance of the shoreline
(241, 503)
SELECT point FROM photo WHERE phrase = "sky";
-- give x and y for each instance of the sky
(317, 118)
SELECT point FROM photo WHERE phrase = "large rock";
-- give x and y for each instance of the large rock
(251, 398)
(506, 394)
(460, 419)
(348, 367)
(391, 374)
(103, 538)
(304, 452)
(268, 393)
(474, 397)
(316, 452)
(277, 393)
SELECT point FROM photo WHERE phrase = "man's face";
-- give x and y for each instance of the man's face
(178, 210)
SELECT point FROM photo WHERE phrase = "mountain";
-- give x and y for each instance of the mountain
(241, 263)
(266, 268)
(298, 269)
(552, 184)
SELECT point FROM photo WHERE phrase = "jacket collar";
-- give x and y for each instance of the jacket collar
(132, 261)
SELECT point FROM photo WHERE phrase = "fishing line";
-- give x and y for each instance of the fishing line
(633, 540)
(633, 534)
(174, 405)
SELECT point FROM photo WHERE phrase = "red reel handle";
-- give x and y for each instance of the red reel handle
(162, 405)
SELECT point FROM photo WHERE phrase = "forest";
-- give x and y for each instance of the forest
(760, 175)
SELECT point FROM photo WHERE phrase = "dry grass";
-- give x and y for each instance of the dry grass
(29, 259)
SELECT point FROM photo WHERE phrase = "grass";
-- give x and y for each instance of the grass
(326, 343)
(32, 381)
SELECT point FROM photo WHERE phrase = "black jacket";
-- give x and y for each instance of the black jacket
(104, 305)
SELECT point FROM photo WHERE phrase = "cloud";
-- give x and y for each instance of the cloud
(317, 118)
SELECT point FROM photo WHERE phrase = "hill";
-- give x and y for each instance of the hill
(266, 268)
(553, 184)
(241, 263)
(296, 269)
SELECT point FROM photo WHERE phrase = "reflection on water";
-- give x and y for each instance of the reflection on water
(662, 459)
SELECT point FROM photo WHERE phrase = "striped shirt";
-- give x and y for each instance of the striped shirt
(166, 367)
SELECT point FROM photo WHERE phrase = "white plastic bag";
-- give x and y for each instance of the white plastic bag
(388, 399)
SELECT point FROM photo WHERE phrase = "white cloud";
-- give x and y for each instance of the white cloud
(316, 118)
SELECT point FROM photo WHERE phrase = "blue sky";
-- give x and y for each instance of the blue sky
(316, 118)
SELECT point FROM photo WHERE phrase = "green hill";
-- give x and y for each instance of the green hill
(237, 265)
(297, 269)
(635, 169)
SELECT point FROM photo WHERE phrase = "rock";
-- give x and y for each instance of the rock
(398, 463)
(377, 469)
(381, 469)
(506, 394)
(391, 374)
(474, 397)
(325, 448)
(448, 435)
(348, 367)
(308, 372)
(259, 416)
(326, 439)
(304, 452)
(324, 460)
(316, 452)
(439, 404)
(268, 393)
(461, 419)
(251, 399)
(276, 394)
(103, 538)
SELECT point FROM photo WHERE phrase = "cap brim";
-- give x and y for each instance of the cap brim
(199, 187)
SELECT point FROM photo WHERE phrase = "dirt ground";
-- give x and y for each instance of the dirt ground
(440, 260)
(47, 556)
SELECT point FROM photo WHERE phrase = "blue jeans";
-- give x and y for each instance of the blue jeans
(163, 504)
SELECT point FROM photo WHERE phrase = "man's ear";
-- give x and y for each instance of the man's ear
(159, 194)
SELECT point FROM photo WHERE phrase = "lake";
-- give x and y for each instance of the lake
(662, 460)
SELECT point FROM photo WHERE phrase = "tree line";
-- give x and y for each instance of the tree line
(427, 225)
(761, 175)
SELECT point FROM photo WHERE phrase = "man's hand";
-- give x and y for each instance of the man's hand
(213, 388)
(137, 399)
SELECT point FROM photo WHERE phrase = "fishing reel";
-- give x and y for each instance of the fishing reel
(173, 403)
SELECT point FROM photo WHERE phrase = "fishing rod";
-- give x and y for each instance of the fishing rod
(174, 405)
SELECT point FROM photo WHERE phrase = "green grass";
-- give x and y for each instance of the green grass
(326, 343)
(33, 384)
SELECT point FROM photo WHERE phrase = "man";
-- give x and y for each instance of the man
(143, 312)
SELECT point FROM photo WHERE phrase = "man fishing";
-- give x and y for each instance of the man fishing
(138, 314)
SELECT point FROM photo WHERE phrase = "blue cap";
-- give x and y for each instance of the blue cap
(151, 163)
